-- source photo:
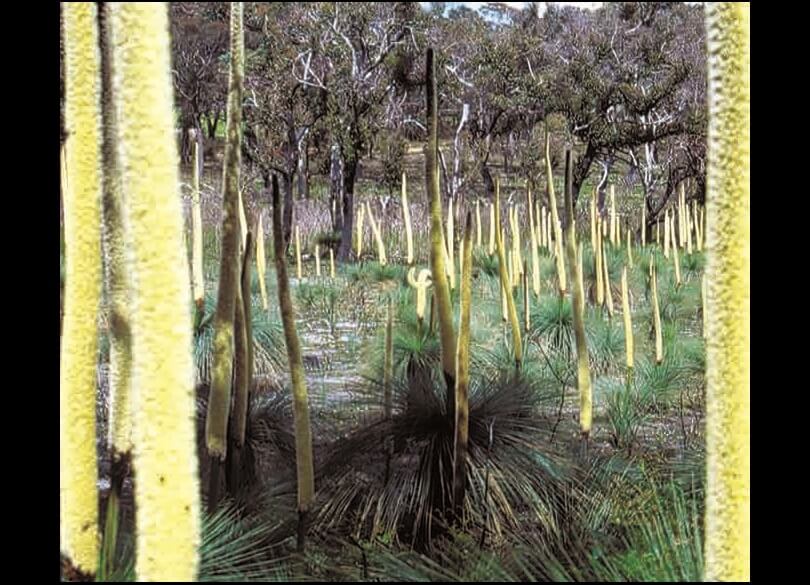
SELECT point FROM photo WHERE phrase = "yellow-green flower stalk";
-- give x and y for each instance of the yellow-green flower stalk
(462, 410)
(164, 435)
(628, 321)
(491, 249)
(535, 254)
(666, 234)
(659, 341)
(597, 253)
(510, 301)
(629, 250)
(504, 307)
(420, 285)
(317, 260)
(461, 259)
(682, 215)
(606, 282)
(526, 308)
(82, 206)
(406, 215)
(242, 222)
(676, 262)
(516, 241)
(381, 257)
(593, 218)
(688, 220)
(243, 357)
(216, 422)
(197, 275)
(261, 262)
(450, 242)
(303, 436)
(578, 301)
(544, 229)
(298, 270)
(119, 440)
(643, 224)
(360, 216)
(614, 219)
(478, 239)
(555, 222)
(331, 263)
(437, 246)
(728, 300)
(657, 232)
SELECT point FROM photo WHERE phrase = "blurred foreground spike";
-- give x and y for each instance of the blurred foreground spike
(78, 473)
(728, 226)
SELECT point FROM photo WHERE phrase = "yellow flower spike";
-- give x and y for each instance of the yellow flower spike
(666, 234)
(478, 239)
(331, 263)
(606, 282)
(360, 216)
(381, 258)
(657, 232)
(119, 439)
(462, 409)
(242, 222)
(197, 277)
(643, 224)
(544, 229)
(659, 341)
(728, 305)
(406, 215)
(82, 206)
(502, 270)
(535, 254)
(491, 249)
(450, 243)
(305, 475)
(597, 252)
(614, 220)
(219, 401)
(438, 250)
(298, 269)
(629, 250)
(628, 320)
(555, 222)
(261, 262)
(317, 260)
(421, 285)
(167, 493)
(675, 260)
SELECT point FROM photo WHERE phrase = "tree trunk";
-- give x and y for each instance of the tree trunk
(303, 172)
(288, 210)
(336, 189)
(349, 173)
(489, 183)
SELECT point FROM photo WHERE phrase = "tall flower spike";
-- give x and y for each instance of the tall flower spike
(165, 454)
(728, 300)
(77, 375)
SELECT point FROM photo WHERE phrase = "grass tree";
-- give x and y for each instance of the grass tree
(555, 221)
(511, 309)
(216, 421)
(77, 375)
(463, 374)
(578, 294)
(303, 433)
(438, 250)
(728, 305)
(165, 461)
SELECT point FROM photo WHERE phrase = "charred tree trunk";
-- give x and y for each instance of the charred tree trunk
(336, 189)
(303, 171)
(349, 174)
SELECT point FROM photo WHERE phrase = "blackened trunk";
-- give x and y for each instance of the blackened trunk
(336, 189)
(303, 172)
(489, 183)
(349, 173)
(288, 210)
